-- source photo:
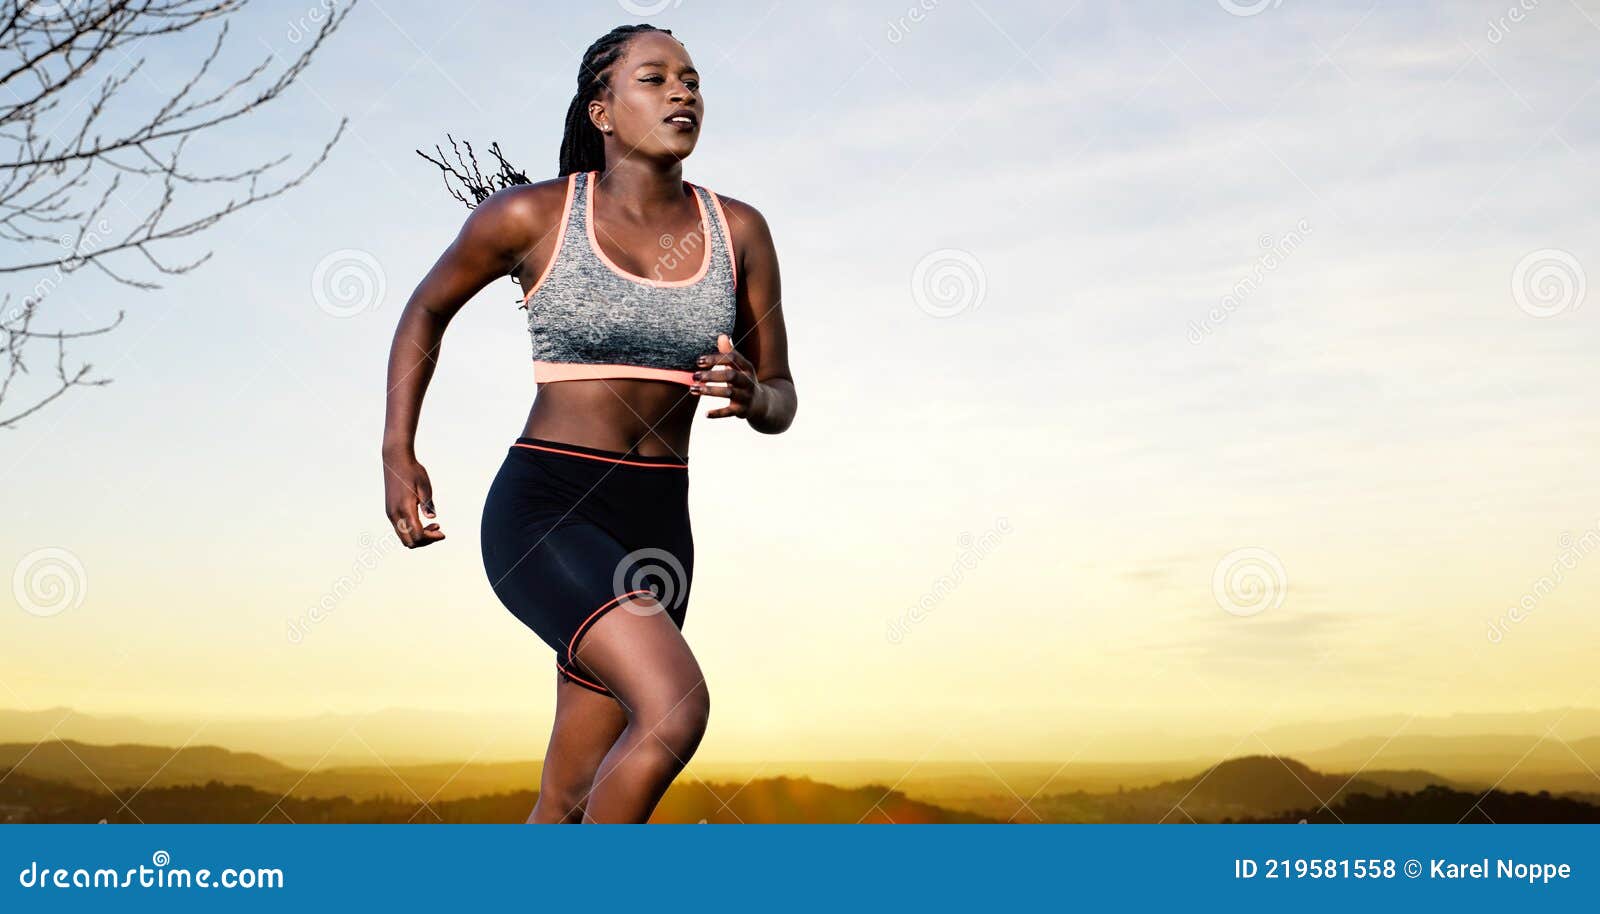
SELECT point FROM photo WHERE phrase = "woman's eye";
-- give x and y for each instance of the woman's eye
(652, 79)
(694, 85)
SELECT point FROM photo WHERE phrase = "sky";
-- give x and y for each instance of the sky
(1186, 367)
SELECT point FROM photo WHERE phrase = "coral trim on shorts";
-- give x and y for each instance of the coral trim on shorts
(631, 463)
(610, 604)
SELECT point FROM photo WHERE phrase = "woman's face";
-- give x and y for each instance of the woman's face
(653, 107)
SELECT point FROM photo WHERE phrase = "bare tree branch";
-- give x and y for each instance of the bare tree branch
(52, 218)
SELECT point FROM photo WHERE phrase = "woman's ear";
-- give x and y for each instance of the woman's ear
(598, 117)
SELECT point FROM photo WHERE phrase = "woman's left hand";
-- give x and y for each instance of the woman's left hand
(726, 373)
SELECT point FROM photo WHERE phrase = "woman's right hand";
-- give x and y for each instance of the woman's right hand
(405, 488)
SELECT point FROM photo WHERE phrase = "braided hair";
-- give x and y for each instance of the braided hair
(582, 146)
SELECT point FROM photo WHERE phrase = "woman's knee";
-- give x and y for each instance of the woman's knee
(681, 723)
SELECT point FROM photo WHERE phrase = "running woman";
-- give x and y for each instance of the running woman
(643, 293)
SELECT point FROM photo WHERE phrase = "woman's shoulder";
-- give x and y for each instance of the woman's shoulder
(733, 205)
(539, 201)
(519, 215)
(745, 222)
(513, 219)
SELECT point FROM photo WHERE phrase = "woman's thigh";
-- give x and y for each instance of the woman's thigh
(638, 654)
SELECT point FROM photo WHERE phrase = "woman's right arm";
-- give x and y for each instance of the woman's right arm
(497, 236)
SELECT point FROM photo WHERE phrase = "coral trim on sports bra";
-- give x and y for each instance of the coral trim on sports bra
(550, 372)
(594, 243)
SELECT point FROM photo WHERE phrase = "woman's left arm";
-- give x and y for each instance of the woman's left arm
(760, 387)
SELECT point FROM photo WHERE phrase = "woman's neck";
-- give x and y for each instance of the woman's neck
(640, 187)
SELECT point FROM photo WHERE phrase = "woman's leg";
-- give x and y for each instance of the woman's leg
(587, 724)
(637, 652)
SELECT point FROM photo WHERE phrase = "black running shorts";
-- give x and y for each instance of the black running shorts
(570, 533)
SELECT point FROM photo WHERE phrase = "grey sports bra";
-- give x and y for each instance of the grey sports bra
(590, 318)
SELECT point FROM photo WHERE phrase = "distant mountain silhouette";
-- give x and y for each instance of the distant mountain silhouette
(1525, 761)
(799, 800)
(26, 799)
(1441, 804)
(70, 781)
(1298, 739)
(394, 736)
(1410, 779)
(1268, 789)
(1256, 785)
(1262, 782)
(410, 736)
(391, 746)
(132, 765)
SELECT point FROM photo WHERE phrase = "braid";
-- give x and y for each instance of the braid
(473, 180)
(582, 146)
